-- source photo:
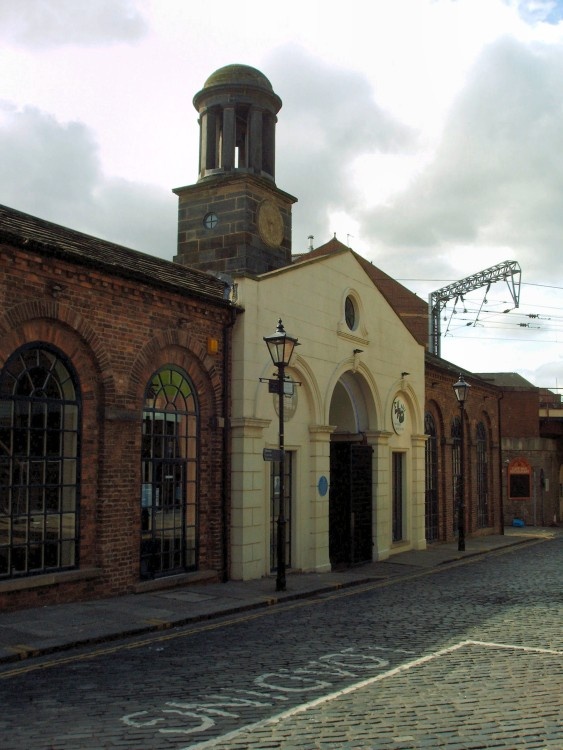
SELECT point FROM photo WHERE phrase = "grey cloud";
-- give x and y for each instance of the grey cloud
(498, 172)
(329, 118)
(55, 23)
(52, 170)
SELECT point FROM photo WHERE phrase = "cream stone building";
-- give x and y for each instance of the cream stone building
(354, 427)
(354, 413)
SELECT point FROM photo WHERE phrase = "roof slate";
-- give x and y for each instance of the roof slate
(23, 230)
(507, 380)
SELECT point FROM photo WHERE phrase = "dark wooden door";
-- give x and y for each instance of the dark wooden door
(350, 504)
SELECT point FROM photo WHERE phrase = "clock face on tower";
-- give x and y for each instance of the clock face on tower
(270, 223)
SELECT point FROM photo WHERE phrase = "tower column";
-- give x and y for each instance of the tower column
(207, 141)
(228, 141)
(269, 143)
(255, 144)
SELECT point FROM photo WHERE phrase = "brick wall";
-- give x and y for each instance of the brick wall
(117, 333)
(481, 408)
(520, 413)
(545, 458)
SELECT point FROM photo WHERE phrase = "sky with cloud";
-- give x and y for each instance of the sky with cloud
(427, 134)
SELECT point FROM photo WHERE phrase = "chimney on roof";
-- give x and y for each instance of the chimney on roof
(310, 238)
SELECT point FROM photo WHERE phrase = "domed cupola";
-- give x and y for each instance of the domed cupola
(237, 116)
(235, 220)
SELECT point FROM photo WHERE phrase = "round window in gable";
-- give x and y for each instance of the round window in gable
(350, 313)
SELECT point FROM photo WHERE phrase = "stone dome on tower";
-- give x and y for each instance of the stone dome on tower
(238, 75)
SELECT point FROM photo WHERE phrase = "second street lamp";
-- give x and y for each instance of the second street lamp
(461, 390)
(281, 345)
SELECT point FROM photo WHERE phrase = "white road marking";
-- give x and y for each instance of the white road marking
(364, 683)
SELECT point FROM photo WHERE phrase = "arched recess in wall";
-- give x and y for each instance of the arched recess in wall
(352, 409)
(40, 446)
(352, 412)
(484, 470)
(196, 379)
(306, 393)
(352, 402)
(409, 399)
(53, 324)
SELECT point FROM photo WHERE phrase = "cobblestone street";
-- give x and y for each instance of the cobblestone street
(462, 657)
(477, 695)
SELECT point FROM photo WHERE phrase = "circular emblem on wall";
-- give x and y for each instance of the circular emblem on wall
(399, 415)
(322, 486)
(270, 223)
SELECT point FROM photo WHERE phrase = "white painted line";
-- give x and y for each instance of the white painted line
(364, 683)
(515, 647)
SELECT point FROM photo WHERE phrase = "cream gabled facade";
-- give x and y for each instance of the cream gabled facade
(354, 429)
(361, 394)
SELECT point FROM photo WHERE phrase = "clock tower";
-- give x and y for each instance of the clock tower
(235, 220)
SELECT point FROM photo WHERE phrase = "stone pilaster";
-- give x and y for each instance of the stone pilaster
(319, 517)
(249, 516)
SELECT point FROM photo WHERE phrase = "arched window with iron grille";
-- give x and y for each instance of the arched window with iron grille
(169, 492)
(431, 493)
(482, 478)
(40, 416)
(456, 467)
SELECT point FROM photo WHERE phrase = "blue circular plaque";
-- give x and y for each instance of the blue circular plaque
(323, 486)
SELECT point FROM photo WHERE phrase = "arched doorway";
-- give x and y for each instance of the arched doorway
(350, 497)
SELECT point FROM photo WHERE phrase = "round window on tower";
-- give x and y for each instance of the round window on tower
(350, 313)
(210, 220)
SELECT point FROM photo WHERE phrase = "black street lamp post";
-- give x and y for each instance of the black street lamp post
(281, 346)
(461, 390)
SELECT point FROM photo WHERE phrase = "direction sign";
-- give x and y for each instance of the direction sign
(272, 454)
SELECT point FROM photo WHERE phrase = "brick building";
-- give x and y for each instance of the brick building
(114, 373)
(481, 450)
(532, 450)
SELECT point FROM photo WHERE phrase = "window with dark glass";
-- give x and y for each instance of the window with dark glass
(431, 489)
(398, 475)
(275, 507)
(456, 468)
(482, 477)
(350, 313)
(169, 491)
(39, 452)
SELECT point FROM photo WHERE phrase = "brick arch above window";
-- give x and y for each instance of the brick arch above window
(435, 412)
(64, 327)
(182, 349)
